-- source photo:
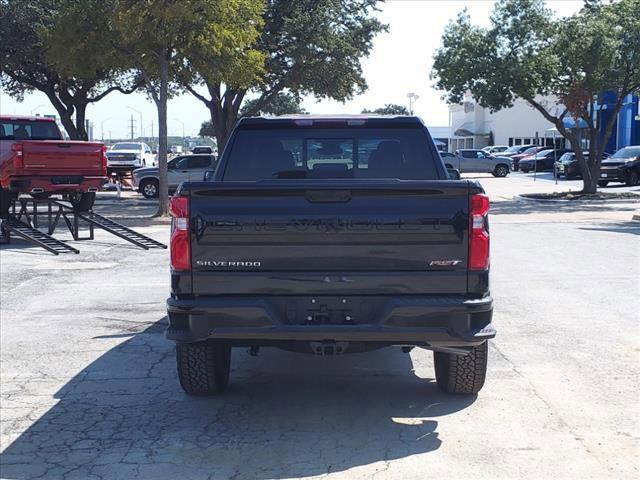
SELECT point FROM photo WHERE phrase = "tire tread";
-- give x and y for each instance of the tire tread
(203, 369)
(462, 374)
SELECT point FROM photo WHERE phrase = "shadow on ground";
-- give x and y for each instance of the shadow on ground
(632, 228)
(284, 415)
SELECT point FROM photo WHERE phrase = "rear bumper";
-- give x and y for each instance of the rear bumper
(435, 321)
(57, 183)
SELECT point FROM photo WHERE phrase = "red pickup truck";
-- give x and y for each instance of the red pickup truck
(35, 159)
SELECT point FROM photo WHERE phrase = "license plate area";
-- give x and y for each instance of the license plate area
(67, 180)
(330, 310)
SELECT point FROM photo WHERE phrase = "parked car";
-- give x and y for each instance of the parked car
(202, 149)
(35, 159)
(477, 161)
(124, 156)
(329, 241)
(623, 166)
(493, 149)
(515, 159)
(179, 169)
(515, 150)
(568, 166)
(541, 161)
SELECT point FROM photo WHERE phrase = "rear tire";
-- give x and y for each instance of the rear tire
(203, 368)
(602, 183)
(632, 179)
(501, 171)
(82, 202)
(462, 374)
(149, 188)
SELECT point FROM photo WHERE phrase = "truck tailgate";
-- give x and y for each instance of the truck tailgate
(62, 157)
(365, 237)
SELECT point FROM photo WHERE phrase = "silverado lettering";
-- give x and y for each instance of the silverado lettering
(224, 263)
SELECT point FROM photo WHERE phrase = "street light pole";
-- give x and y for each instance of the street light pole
(412, 98)
(102, 127)
(141, 127)
(39, 106)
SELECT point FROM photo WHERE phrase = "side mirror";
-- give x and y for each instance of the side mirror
(208, 175)
(454, 173)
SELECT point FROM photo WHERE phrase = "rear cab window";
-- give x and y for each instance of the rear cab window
(29, 130)
(374, 153)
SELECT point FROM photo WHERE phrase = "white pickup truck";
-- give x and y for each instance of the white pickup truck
(129, 156)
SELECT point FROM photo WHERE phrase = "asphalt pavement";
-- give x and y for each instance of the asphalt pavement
(89, 388)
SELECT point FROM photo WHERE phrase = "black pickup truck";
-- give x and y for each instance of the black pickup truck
(330, 235)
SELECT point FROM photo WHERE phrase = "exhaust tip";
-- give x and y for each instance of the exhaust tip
(37, 190)
(92, 189)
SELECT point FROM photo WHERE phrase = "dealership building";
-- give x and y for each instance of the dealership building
(474, 126)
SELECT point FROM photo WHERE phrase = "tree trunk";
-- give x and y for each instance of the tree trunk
(223, 121)
(77, 130)
(65, 115)
(163, 190)
(81, 112)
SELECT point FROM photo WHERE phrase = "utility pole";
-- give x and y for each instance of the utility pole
(131, 122)
(141, 126)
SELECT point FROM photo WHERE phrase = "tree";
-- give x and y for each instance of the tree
(311, 47)
(206, 129)
(40, 51)
(283, 103)
(527, 53)
(158, 37)
(389, 109)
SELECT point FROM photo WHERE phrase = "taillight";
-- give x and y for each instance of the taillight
(180, 241)
(479, 232)
(103, 158)
(18, 160)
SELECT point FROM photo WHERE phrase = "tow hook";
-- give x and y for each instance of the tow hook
(329, 347)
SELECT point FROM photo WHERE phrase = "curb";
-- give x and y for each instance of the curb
(589, 200)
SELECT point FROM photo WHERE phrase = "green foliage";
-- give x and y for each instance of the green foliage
(389, 109)
(165, 39)
(61, 48)
(527, 53)
(206, 129)
(283, 103)
(309, 47)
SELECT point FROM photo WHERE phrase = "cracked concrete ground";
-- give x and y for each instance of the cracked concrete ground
(89, 388)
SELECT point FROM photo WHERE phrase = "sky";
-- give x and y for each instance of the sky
(399, 63)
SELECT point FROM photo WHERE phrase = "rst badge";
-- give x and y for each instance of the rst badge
(444, 263)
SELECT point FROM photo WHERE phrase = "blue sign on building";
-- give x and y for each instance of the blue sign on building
(626, 130)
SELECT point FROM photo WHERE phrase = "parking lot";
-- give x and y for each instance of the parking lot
(89, 387)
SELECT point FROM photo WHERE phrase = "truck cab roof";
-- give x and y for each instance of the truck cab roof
(323, 121)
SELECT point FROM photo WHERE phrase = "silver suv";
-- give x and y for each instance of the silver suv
(477, 161)
(184, 168)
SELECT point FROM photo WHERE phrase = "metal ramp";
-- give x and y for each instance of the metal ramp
(33, 235)
(120, 230)
(23, 218)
